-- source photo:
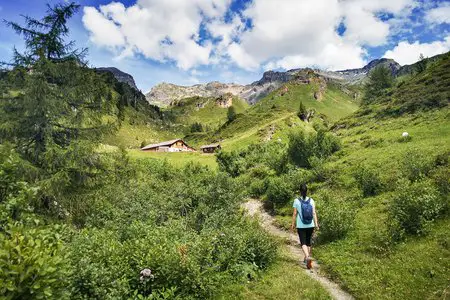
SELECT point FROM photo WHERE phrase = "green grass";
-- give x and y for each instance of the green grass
(178, 159)
(366, 261)
(285, 279)
(253, 125)
(209, 114)
(132, 136)
(335, 104)
(416, 268)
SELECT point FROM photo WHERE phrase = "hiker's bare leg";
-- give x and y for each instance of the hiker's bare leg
(305, 250)
(310, 251)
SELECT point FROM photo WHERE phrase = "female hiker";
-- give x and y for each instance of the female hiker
(305, 220)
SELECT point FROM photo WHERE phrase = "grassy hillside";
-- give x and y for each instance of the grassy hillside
(274, 115)
(205, 111)
(383, 199)
(366, 260)
(138, 128)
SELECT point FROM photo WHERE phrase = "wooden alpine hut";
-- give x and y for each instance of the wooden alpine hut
(210, 148)
(177, 145)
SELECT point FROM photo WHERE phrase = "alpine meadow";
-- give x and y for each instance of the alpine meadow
(187, 191)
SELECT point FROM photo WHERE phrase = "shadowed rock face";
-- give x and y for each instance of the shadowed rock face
(120, 76)
(164, 94)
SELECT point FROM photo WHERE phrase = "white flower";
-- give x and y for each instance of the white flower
(146, 274)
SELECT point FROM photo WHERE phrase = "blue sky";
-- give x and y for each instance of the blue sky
(196, 41)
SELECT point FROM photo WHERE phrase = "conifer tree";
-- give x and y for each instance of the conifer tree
(421, 65)
(44, 39)
(379, 79)
(302, 112)
(55, 109)
(231, 113)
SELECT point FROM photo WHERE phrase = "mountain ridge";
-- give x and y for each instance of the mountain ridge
(164, 94)
(120, 75)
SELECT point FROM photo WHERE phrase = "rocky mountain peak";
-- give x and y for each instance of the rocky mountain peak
(164, 94)
(120, 76)
(387, 62)
(273, 76)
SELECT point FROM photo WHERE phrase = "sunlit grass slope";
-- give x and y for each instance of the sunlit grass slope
(205, 111)
(367, 260)
(273, 115)
(178, 159)
(418, 267)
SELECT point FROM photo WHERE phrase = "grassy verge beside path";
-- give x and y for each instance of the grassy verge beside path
(284, 280)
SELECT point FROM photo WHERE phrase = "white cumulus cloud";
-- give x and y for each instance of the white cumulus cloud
(439, 15)
(284, 34)
(296, 33)
(160, 30)
(405, 53)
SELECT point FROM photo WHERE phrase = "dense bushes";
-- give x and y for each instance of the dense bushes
(416, 164)
(368, 180)
(269, 155)
(279, 191)
(303, 147)
(414, 206)
(183, 224)
(194, 265)
(336, 216)
(33, 263)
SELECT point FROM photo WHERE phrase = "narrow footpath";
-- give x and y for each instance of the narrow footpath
(254, 208)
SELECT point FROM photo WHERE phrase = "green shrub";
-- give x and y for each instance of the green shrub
(33, 263)
(414, 206)
(302, 146)
(416, 165)
(279, 191)
(298, 176)
(336, 216)
(368, 180)
(230, 162)
(192, 265)
(319, 170)
(196, 127)
(441, 178)
(260, 171)
(258, 187)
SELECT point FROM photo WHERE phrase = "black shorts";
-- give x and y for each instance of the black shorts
(305, 235)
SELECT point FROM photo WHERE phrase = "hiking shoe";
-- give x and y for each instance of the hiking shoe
(303, 262)
(309, 263)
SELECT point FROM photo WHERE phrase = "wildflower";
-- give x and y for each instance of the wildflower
(146, 275)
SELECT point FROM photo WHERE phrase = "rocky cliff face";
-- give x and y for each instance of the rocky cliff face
(164, 94)
(120, 76)
(356, 76)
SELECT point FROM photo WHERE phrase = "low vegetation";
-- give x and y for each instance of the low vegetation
(80, 219)
(382, 198)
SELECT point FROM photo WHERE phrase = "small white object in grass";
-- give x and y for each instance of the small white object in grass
(405, 134)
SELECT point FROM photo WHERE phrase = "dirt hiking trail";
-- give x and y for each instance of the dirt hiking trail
(254, 208)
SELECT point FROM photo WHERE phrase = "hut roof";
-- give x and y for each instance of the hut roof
(210, 146)
(162, 144)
